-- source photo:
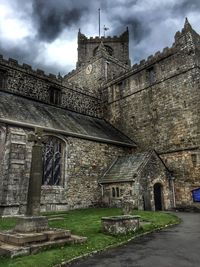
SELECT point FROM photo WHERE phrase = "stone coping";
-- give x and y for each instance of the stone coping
(121, 217)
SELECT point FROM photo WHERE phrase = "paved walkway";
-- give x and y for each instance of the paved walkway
(178, 246)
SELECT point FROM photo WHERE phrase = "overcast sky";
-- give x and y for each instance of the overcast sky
(43, 33)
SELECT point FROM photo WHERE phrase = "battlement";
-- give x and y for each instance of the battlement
(154, 58)
(145, 63)
(38, 73)
(124, 37)
(166, 52)
(117, 46)
(13, 63)
(35, 84)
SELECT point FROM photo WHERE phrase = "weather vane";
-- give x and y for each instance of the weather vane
(104, 27)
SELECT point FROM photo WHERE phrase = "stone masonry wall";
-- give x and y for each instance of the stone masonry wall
(37, 85)
(157, 104)
(84, 162)
(166, 111)
(141, 191)
(2, 156)
(154, 172)
(185, 166)
(103, 69)
(15, 166)
(126, 189)
(87, 162)
(119, 46)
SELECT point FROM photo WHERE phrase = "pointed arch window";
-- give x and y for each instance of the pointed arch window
(53, 161)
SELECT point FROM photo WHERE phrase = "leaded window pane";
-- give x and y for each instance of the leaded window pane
(52, 156)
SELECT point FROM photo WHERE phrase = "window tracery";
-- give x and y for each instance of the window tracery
(52, 161)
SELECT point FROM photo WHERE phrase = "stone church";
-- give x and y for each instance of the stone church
(111, 130)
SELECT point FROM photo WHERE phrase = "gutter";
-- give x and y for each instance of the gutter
(118, 181)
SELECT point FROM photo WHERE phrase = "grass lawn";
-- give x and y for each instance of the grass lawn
(85, 222)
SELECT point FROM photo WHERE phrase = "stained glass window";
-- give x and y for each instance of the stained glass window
(52, 161)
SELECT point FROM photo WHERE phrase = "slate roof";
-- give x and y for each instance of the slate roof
(125, 168)
(19, 110)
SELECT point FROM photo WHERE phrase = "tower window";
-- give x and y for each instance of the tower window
(2, 79)
(151, 77)
(121, 86)
(54, 95)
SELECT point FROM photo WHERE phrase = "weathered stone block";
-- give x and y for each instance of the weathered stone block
(31, 224)
(120, 224)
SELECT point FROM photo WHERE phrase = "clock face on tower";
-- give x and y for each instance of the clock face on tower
(88, 69)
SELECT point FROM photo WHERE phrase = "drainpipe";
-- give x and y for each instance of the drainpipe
(101, 189)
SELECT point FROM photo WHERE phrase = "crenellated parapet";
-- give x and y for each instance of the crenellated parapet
(159, 55)
(13, 63)
(186, 42)
(124, 37)
(37, 85)
(116, 46)
(146, 63)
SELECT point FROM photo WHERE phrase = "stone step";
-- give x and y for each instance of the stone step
(21, 239)
(14, 250)
(57, 234)
(56, 219)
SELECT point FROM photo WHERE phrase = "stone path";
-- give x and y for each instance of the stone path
(178, 246)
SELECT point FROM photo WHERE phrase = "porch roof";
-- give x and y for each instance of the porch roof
(126, 168)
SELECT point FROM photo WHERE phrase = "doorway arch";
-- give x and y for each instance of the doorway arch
(158, 191)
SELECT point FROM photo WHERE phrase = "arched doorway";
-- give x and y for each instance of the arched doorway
(158, 196)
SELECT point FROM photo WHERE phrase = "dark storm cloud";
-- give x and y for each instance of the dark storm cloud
(18, 52)
(52, 17)
(185, 6)
(152, 24)
(136, 28)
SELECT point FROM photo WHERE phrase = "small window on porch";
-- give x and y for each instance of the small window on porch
(117, 191)
(113, 192)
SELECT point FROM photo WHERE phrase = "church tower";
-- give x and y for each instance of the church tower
(116, 46)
